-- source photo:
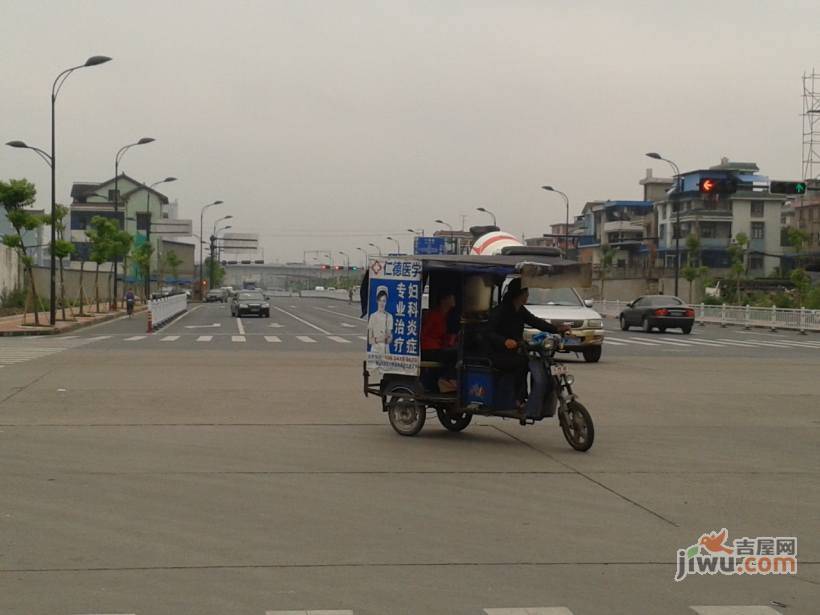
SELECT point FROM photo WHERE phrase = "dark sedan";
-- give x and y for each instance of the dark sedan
(250, 302)
(660, 312)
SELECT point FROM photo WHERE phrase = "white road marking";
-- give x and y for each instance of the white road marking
(336, 338)
(276, 325)
(347, 325)
(238, 338)
(735, 610)
(240, 326)
(606, 341)
(272, 338)
(750, 344)
(362, 337)
(631, 341)
(170, 338)
(303, 321)
(19, 350)
(99, 337)
(341, 314)
(700, 343)
(790, 343)
(204, 338)
(532, 610)
(305, 339)
(314, 612)
(211, 326)
(135, 338)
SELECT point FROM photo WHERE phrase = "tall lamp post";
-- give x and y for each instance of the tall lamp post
(487, 211)
(202, 243)
(373, 245)
(167, 180)
(214, 250)
(447, 224)
(51, 160)
(398, 245)
(676, 205)
(566, 227)
(364, 257)
(117, 158)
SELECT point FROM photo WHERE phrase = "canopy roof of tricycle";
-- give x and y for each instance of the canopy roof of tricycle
(537, 270)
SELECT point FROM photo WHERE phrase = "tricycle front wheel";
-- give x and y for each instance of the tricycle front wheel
(576, 423)
(406, 415)
(453, 422)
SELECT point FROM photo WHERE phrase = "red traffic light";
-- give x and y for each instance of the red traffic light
(707, 185)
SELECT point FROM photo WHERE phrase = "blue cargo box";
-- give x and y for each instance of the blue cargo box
(478, 386)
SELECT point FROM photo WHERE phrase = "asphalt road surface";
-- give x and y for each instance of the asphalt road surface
(233, 466)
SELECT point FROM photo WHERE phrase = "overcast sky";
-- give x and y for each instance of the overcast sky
(327, 125)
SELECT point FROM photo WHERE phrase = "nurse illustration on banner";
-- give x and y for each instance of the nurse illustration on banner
(380, 325)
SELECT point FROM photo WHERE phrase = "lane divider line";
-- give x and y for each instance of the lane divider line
(303, 321)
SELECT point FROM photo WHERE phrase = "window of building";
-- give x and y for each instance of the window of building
(707, 231)
(143, 220)
(755, 262)
(112, 195)
(662, 231)
(757, 209)
(758, 230)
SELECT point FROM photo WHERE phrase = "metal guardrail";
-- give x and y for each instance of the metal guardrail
(773, 318)
(164, 309)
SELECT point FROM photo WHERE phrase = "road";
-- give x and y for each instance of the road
(233, 466)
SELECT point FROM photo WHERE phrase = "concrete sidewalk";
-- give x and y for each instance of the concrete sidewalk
(13, 325)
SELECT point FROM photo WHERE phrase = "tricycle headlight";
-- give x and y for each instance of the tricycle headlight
(595, 323)
(266, 305)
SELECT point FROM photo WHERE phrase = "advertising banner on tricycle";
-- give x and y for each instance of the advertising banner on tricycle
(394, 316)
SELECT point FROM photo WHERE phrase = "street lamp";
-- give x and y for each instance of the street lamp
(218, 220)
(566, 228)
(419, 231)
(51, 160)
(676, 205)
(167, 180)
(215, 257)
(117, 158)
(398, 245)
(347, 259)
(373, 245)
(201, 242)
(364, 257)
(487, 211)
(447, 224)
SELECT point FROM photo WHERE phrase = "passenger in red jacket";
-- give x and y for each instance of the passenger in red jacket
(437, 343)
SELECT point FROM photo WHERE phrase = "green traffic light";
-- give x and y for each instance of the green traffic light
(800, 187)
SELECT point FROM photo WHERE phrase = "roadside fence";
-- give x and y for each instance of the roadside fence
(160, 311)
(773, 318)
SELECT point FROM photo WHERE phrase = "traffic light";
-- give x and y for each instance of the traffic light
(325, 266)
(353, 268)
(717, 185)
(778, 187)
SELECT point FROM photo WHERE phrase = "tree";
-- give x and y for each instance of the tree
(142, 258)
(693, 271)
(606, 264)
(120, 247)
(802, 284)
(62, 248)
(15, 196)
(797, 239)
(737, 254)
(215, 271)
(173, 261)
(101, 236)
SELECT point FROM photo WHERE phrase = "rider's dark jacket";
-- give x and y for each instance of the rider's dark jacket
(508, 323)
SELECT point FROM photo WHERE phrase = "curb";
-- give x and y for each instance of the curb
(72, 327)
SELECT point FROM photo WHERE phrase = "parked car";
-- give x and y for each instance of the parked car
(657, 311)
(565, 306)
(215, 294)
(250, 302)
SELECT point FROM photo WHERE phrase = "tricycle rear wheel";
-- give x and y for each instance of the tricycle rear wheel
(576, 423)
(453, 422)
(406, 415)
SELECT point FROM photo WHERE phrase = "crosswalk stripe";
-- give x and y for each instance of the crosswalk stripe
(204, 338)
(735, 610)
(790, 342)
(606, 341)
(670, 343)
(749, 344)
(100, 337)
(631, 341)
(272, 338)
(238, 338)
(305, 339)
(362, 337)
(320, 612)
(698, 343)
(170, 338)
(336, 338)
(135, 338)
(533, 610)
